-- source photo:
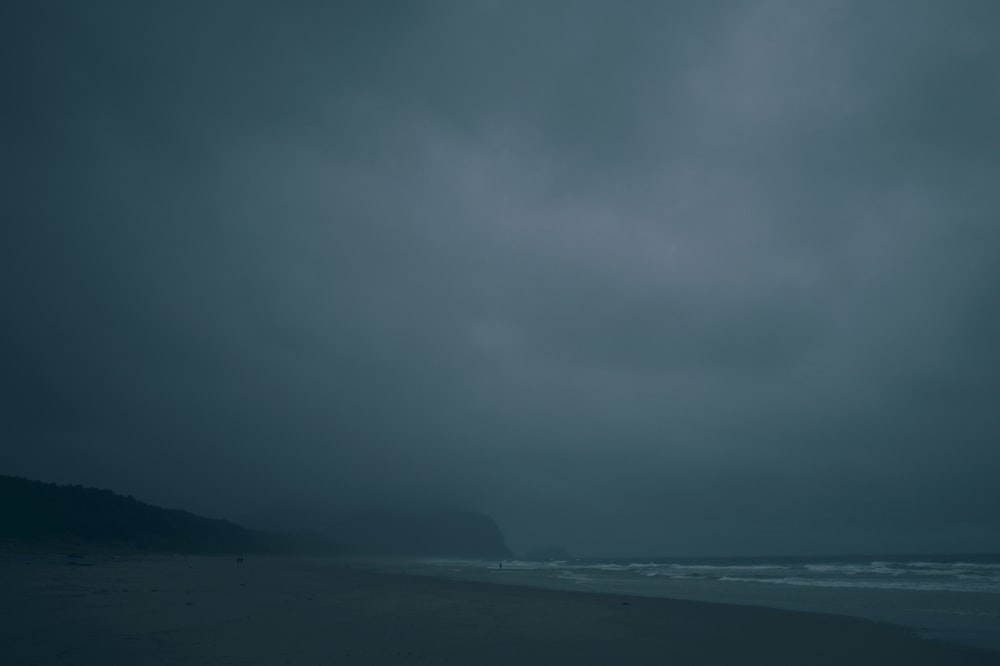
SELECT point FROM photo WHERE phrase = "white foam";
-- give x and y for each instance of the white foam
(573, 576)
(936, 586)
(724, 567)
(879, 568)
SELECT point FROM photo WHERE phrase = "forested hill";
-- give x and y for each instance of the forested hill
(46, 514)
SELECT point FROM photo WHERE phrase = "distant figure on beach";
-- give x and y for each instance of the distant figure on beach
(239, 559)
(501, 565)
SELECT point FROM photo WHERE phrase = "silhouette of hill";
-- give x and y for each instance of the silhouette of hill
(431, 534)
(46, 514)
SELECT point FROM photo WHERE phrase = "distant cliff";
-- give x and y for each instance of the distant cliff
(429, 534)
(48, 515)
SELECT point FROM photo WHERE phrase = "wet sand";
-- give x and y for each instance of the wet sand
(189, 610)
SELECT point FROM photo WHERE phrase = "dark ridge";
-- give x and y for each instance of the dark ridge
(39, 515)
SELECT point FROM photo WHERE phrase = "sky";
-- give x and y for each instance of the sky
(633, 277)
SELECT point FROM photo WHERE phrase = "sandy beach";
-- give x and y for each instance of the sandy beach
(189, 610)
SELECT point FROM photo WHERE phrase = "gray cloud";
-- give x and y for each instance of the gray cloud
(654, 277)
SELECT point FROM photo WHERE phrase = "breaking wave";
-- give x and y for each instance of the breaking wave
(924, 574)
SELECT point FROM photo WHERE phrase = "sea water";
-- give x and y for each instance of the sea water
(952, 597)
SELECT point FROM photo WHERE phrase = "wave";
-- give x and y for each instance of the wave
(936, 586)
(722, 567)
(879, 568)
(890, 574)
(990, 566)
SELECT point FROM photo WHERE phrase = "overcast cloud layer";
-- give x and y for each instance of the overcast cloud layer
(632, 277)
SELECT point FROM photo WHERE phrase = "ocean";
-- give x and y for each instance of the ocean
(950, 597)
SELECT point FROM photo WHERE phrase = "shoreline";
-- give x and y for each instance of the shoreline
(210, 610)
(964, 618)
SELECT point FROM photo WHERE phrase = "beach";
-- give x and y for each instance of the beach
(205, 610)
(955, 598)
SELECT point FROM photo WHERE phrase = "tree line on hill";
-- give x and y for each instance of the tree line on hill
(39, 515)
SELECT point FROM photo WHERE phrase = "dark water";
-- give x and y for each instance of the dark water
(952, 597)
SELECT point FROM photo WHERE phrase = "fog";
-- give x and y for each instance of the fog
(631, 277)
